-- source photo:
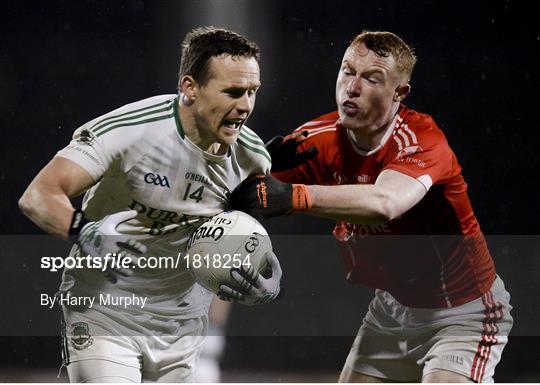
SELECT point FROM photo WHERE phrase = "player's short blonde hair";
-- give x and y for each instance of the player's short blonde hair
(384, 44)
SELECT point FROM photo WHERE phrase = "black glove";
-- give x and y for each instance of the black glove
(265, 196)
(283, 151)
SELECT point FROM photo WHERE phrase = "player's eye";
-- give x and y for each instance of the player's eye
(346, 70)
(372, 80)
(235, 93)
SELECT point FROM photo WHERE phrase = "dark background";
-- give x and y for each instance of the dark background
(63, 63)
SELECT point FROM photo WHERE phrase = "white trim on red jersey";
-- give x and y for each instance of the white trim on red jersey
(391, 130)
(425, 180)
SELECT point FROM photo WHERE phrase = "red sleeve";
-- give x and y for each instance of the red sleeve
(420, 150)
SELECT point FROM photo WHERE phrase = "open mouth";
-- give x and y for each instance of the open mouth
(233, 124)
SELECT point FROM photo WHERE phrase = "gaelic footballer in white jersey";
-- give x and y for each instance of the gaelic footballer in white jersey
(141, 160)
(152, 170)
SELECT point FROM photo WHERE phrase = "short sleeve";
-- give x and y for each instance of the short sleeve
(422, 154)
(88, 151)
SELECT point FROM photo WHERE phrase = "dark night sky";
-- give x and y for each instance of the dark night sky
(63, 63)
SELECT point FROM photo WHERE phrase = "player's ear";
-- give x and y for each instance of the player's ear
(401, 92)
(188, 88)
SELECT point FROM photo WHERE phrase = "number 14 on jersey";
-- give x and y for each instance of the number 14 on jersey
(195, 195)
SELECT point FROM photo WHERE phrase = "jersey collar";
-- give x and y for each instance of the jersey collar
(386, 136)
(195, 148)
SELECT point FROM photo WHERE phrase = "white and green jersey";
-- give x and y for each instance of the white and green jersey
(141, 160)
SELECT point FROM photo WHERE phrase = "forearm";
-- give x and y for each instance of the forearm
(352, 203)
(49, 208)
(392, 195)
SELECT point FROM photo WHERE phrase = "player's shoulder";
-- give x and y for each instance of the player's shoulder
(251, 146)
(322, 127)
(148, 102)
(152, 109)
(417, 126)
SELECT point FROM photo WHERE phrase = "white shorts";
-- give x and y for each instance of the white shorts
(401, 343)
(92, 353)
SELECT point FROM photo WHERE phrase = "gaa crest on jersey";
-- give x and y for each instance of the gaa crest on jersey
(86, 137)
(80, 336)
(157, 180)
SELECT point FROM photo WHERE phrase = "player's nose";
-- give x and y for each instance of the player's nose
(353, 88)
(245, 104)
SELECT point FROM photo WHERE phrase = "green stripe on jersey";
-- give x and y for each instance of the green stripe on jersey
(124, 124)
(109, 118)
(250, 133)
(255, 141)
(104, 127)
(257, 149)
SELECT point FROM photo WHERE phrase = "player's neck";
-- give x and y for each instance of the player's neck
(193, 133)
(374, 140)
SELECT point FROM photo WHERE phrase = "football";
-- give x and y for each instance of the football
(231, 239)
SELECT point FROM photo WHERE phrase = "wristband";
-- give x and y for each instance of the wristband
(301, 200)
(77, 223)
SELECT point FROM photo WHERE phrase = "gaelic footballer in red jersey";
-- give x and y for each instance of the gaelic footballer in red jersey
(405, 225)
(446, 263)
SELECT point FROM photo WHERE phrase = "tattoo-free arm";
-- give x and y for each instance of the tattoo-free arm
(46, 200)
(392, 195)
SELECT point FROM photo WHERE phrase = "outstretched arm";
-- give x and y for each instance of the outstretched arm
(392, 195)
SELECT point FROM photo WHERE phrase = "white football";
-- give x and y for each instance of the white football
(228, 240)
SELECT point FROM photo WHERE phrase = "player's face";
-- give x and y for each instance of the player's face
(366, 90)
(224, 103)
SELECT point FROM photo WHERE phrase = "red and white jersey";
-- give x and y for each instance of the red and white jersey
(437, 255)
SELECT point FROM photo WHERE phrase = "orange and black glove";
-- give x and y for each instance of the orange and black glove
(265, 196)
